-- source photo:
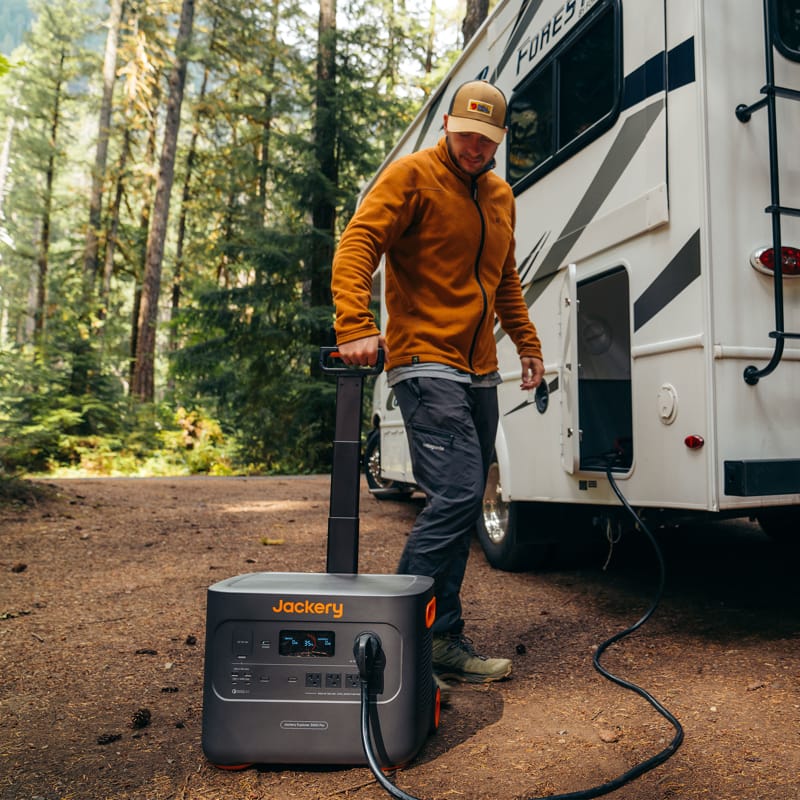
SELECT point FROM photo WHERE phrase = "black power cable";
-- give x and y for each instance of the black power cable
(367, 650)
(393, 790)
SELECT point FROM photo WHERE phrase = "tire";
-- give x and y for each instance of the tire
(381, 488)
(507, 531)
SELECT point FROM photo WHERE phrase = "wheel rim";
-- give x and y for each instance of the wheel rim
(374, 470)
(495, 509)
(374, 467)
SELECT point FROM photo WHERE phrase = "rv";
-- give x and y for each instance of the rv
(649, 146)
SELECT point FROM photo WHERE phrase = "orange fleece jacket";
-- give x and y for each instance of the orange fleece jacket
(450, 269)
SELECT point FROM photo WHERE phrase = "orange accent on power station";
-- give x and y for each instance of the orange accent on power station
(430, 612)
(437, 708)
(233, 767)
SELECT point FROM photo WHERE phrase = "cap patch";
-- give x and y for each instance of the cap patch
(480, 107)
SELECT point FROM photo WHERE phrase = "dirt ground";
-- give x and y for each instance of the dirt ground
(102, 624)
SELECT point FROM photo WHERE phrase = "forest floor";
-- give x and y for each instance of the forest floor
(102, 631)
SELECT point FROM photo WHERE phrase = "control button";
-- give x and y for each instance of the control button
(242, 642)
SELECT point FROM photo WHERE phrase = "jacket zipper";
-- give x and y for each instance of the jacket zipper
(478, 274)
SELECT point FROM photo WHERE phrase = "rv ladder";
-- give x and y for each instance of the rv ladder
(743, 113)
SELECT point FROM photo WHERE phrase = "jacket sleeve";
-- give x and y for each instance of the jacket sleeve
(384, 214)
(512, 309)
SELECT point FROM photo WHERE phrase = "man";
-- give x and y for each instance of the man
(445, 223)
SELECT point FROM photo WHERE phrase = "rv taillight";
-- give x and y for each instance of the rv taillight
(693, 441)
(764, 261)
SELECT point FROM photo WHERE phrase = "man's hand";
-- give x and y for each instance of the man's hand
(532, 372)
(363, 352)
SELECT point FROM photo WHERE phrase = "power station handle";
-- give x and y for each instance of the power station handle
(345, 471)
(328, 355)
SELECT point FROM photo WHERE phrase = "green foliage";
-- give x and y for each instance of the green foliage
(238, 386)
(198, 443)
(256, 361)
(45, 428)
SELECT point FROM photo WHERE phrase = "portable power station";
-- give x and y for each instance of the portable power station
(282, 683)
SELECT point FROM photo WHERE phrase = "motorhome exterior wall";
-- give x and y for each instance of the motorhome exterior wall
(752, 422)
(663, 198)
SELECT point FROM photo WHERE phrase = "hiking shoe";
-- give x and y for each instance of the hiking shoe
(455, 658)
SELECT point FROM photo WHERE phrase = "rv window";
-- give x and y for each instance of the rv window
(586, 81)
(786, 27)
(556, 111)
(530, 126)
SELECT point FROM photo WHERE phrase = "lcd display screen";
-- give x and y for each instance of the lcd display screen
(307, 643)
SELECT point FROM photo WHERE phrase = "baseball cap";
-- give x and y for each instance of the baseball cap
(478, 107)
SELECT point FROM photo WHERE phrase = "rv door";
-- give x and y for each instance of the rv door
(568, 371)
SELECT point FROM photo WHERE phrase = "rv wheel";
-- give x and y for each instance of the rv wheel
(380, 487)
(507, 531)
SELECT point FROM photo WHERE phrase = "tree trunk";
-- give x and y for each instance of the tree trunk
(430, 39)
(90, 254)
(43, 256)
(143, 385)
(186, 195)
(266, 131)
(323, 209)
(4, 161)
(139, 259)
(477, 11)
(227, 224)
(112, 231)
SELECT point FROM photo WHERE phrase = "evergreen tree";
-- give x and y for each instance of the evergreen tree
(90, 256)
(143, 382)
(45, 102)
(278, 143)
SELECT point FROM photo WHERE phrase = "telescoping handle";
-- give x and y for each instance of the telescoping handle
(345, 471)
(328, 356)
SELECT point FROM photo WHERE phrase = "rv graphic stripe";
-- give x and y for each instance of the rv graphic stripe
(680, 65)
(650, 78)
(644, 81)
(527, 13)
(669, 283)
(629, 139)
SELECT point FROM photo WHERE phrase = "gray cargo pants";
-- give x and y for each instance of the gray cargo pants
(451, 429)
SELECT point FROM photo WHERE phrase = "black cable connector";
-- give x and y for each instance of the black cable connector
(371, 661)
